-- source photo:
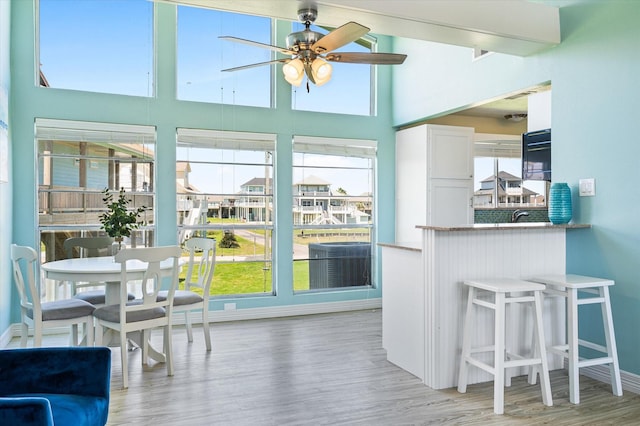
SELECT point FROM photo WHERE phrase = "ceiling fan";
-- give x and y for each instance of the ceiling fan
(310, 52)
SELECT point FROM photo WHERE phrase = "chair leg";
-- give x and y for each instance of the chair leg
(572, 339)
(37, 335)
(498, 364)
(73, 338)
(541, 351)
(124, 359)
(612, 350)
(168, 349)
(98, 334)
(90, 338)
(145, 336)
(205, 328)
(466, 342)
(187, 322)
(24, 335)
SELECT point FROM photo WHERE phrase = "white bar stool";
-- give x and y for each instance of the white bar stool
(503, 289)
(568, 286)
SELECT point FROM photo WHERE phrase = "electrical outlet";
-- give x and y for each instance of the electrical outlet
(587, 187)
(229, 306)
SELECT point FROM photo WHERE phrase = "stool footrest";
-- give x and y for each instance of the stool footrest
(481, 365)
(564, 349)
(590, 300)
(594, 361)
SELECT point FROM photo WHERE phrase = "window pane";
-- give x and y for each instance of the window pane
(348, 91)
(99, 45)
(333, 220)
(512, 191)
(76, 162)
(202, 56)
(225, 191)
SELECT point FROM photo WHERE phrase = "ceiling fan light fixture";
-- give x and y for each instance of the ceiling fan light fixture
(293, 72)
(515, 117)
(321, 70)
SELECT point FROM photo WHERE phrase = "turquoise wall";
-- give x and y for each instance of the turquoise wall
(5, 188)
(594, 73)
(167, 114)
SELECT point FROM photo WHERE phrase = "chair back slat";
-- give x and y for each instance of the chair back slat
(200, 270)
(88, 246)
(25, 259)
(153, 277)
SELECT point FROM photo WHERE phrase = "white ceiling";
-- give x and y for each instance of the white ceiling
(516, 27)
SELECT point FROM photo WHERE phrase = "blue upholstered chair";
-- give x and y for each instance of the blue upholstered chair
(55, 386)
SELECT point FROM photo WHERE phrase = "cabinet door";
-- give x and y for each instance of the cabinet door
(450, 153)
(451, 202)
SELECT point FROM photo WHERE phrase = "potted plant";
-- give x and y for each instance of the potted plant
(118, 221)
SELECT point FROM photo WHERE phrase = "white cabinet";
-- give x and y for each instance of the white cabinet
(434, 178)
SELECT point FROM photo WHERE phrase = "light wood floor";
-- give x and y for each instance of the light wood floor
(328, 370)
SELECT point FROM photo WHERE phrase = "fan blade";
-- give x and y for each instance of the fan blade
(259, 64)
(345, 34)
(367, 58)
(256, 44)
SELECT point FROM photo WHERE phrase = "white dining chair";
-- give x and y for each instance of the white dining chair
(199, 276)
(89, 247)
(147, 312)
(40, 315)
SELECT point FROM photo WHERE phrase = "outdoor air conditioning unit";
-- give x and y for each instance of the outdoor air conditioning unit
(341, 264)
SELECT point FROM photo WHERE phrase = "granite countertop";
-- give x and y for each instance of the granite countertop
(417, 246)
(505, 226)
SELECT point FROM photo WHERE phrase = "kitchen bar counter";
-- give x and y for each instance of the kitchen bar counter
(424, 301)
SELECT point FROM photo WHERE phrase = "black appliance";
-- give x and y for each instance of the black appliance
(536, 155)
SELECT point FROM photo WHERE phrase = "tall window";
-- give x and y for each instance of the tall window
(98, 46)
(333, 214)
(202, 56)
(77, 161)
(225, 191)
(351, 86)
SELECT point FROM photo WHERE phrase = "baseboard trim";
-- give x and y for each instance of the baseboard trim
(236, 315)
(630, 381)
(288, 311)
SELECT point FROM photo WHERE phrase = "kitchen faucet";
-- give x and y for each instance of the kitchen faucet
(517, 214)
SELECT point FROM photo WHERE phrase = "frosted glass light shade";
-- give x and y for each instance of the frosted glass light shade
(321, 71)
(293, 72)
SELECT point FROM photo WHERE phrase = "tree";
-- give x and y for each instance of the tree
(228, 240)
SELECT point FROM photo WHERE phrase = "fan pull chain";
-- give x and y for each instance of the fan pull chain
(307, 86)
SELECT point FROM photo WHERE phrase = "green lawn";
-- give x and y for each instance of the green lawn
(255, 277)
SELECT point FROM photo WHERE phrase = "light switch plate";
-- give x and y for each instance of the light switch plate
(587, 187)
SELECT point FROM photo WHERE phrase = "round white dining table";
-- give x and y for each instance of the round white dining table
(103, 269)
(97, 269)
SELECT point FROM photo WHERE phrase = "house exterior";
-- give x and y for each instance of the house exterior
(251, 204)
(314, 203)
(511, 192)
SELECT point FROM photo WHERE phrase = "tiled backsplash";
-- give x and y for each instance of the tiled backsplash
(504, 215)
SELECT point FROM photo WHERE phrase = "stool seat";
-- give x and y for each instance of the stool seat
(572, 281)
(502, 289)
(505, 285)
(593, 291)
